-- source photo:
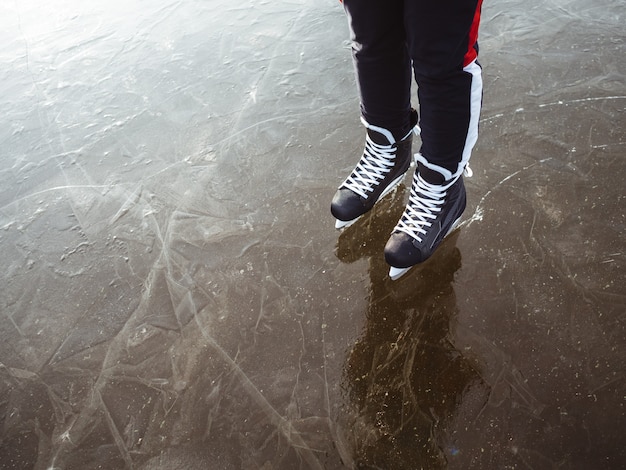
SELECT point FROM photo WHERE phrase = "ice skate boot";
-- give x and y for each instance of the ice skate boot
(434, 209)
(381, 167)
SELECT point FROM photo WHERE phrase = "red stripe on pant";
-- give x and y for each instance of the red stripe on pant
(472, 53)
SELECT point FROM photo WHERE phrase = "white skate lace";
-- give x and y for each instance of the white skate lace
(425, 202)
(376, 162)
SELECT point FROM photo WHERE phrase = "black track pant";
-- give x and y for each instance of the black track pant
(437, 41)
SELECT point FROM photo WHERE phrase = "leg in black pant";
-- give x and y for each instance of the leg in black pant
(442, 42)
(381, 61)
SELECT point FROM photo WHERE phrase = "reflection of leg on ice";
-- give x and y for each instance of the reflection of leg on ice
(403, 377)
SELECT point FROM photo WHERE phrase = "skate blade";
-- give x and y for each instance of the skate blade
(341, 224)
(395, 273)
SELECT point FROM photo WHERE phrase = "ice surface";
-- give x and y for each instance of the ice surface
(174, 294)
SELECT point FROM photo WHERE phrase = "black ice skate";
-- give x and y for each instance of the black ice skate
(434, 209)
(381, 167)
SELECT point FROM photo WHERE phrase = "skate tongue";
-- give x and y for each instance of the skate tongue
(377, 137)
(429, 175)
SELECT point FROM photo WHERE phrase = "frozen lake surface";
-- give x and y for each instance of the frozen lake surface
(174, 294)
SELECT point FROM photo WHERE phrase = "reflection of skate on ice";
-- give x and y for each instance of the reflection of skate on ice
(434, 209)
(380, 169)
(405, 380)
